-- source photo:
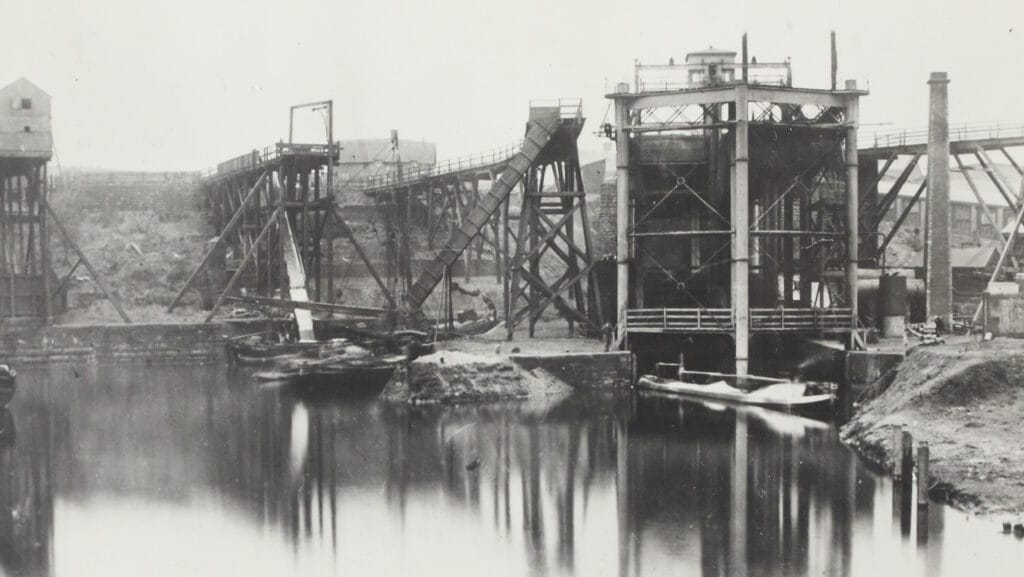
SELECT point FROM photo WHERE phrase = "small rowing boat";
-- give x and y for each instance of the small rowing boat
(779, 394)
(338, 375)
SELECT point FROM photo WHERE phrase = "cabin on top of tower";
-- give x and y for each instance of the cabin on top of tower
(25, 121)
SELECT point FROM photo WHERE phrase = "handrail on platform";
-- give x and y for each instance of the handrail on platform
(966, 131)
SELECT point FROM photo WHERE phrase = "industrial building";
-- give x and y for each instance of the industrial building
(737, 206)
(26, 146)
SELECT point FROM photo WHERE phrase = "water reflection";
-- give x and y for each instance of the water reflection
(26, 495)
(197, 471)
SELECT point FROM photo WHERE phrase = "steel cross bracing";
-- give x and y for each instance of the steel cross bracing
(744, 175)
(824, 241)
(974, 143)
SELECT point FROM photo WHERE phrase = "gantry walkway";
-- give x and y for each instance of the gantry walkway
(968, 140)
(451, 193)
(963, 139)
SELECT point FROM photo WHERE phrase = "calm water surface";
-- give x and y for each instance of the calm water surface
(200, 471)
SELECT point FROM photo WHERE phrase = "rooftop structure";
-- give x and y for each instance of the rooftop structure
(711, 67)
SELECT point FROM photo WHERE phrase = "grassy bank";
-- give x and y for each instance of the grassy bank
(966, 402)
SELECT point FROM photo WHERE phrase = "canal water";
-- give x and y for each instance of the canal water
(200, 471)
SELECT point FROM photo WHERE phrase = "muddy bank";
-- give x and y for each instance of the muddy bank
(966, 402)
(456, 376)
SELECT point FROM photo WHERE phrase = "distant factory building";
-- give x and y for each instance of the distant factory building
(25, 121)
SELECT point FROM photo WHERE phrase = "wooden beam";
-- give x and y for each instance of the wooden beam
(228, 229)
(43, 190)
(245, 261)
(345, 230)
(116, 302)
(364, 312)
(538, 283)
(543, 304)
(67, 278)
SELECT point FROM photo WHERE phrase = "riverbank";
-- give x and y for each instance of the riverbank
(966, 402)
(480, 369)
(455, 376)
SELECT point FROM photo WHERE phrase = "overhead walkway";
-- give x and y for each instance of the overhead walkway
(549, 151)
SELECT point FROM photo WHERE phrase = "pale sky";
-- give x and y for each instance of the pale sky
(184, 84)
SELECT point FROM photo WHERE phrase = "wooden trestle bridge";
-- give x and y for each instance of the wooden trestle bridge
(266, 203)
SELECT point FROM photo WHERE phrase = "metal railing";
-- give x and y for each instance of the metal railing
(965, 131)
(477, 160)
(779, 319)
(679, 319)
(568, 108)
(126, 178)
(801, 319)
(268, 154)
(668, 77)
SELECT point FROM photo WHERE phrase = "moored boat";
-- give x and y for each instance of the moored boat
(336, 376)
(778, 394)
(266, 347)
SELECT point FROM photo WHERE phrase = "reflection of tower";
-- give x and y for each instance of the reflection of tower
(622, 496)
(738, 513)
(26, 495)
(567, 503)
(533, 515)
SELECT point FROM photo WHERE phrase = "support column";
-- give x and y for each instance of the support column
(740, 209)
(852, 205)
(938, 272)
(622, 210)
(738, 507)
(42, 190)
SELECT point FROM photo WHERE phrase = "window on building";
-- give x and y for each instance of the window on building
(26, 104)
(28, 129)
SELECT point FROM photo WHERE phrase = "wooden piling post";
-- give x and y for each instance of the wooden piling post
(907, 461)
(897, 436)
(922, 476)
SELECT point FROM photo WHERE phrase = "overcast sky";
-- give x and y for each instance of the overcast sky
(183, 84)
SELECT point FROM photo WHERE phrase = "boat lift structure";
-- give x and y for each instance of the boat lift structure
(737, 203)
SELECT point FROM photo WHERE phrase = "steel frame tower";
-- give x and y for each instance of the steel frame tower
(737, 205)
